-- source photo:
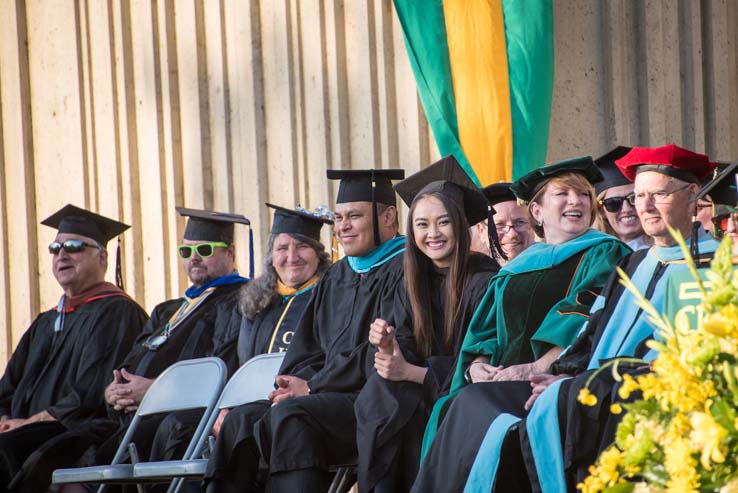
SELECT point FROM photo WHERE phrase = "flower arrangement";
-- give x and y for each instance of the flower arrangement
(681, 435)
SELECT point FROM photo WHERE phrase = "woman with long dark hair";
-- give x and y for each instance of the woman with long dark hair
(443, 283)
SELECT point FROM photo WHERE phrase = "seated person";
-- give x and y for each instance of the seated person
(666, 181)
(56, 377)
(512, 231)
(443, 285)
(197, 325)
(531, 310)
(272, 305)
(617, 215)
(310, 424)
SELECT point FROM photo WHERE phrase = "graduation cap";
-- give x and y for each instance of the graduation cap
(611, 174)
(300, 221)
(205, 225)
(670, 160)
(367, 185)
(498, 192)
(529, 185)
(722, 189)
(74, 220)
(448, 178)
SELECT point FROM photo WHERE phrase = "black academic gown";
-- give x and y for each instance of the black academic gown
(262, 334)
(64, 374)
(208, 331)
(391, 416)
(331, 352)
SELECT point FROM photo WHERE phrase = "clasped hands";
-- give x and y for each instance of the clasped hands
(126, 390)
(389, 361)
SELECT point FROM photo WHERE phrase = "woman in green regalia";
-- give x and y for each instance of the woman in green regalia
(532, 309)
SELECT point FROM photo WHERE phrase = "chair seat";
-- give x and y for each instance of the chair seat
(170, 469)
(111, 473)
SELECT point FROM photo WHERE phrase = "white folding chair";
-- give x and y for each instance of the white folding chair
(252, 382)
(189, 384)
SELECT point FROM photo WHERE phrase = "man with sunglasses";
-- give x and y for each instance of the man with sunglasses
(665, 185)
(203, 322)
(56, 376)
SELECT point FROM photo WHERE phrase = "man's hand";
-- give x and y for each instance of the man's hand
(116, 389)
(288, 387)
(11, 424)
(7, 424)
(219, 422)
(538, 383)
(126, 394)
(381, 336)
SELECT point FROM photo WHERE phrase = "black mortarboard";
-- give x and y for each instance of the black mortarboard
(722, 189)
(498, 192)
(367, 185)
(299, 222)
(447, 177)
(209, 225)
(611, 174)
(527, 187)
(73, 220)
(215, 226)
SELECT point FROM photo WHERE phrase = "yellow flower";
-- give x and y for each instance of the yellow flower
(722, 323)
(707, 435)
(627, 387)
(586, 397)
(616, 408)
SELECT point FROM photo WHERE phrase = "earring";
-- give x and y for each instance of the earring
(540, 223)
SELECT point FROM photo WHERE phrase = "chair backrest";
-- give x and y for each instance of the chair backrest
(252, 382)
(188, 384)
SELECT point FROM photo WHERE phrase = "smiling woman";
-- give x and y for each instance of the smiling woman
(444, 281)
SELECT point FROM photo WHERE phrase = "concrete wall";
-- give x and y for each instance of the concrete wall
(132, 107)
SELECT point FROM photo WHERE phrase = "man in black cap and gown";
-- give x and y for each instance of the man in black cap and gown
(311, 424)
(196, 325)
(55, 379)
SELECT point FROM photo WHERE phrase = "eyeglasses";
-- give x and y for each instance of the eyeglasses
(660, 197)
(203, 250)
(614, 204)
(70, 246)
(520, 225)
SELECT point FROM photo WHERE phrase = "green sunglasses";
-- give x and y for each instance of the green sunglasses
(203, 250)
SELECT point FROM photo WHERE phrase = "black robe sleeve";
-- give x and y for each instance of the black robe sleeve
(14, 370)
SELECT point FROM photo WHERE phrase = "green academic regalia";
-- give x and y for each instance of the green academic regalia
(524, 313)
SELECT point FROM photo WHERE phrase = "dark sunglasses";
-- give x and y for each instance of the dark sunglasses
(70, 246)
(614, 204)
(203, 250)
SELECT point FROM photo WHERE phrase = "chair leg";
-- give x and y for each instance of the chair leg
(346, 481)
(336, 480)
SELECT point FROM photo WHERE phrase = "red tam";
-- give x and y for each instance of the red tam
(670, 160)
